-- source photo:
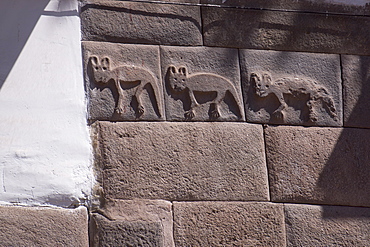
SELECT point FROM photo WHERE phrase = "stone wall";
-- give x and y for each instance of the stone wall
(227, 123)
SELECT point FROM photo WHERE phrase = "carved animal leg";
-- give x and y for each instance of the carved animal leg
(119, 107)
(312, 116)
(191, 113)
(216, 112)
(329, 106)
(140, 107)
(278, 113)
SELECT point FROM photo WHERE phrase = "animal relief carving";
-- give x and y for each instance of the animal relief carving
(123, 76)
(316, 95)
(181, 82)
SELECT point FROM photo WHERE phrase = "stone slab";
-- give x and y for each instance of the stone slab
(41, 226)
(114, 93)
(142, 23)
(319, 165)
(181, 161)
(228, 224)
(337, 7)
(309, 84)
(210, 74)
(290, 31)
(356, 87)
(133, 223)
(309, 225)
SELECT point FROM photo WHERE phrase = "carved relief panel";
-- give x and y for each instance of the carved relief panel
(292, 88)
(123, 82)
(201, 84)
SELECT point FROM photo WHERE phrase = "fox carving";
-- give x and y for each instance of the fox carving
(102, 73)
(180, 81)
(317, 94)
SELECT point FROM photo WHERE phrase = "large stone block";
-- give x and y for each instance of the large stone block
(123, 81)
(202, 84)
(133, 223)
(337, 7)
(143, 23)
(283, 30)
(292, 87)
(356, 87)
(319, 165)
(36, 226)
(308, 225)
(228, 224)
(181, 161)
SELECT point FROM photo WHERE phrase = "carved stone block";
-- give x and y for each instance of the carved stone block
(181, 161)
(202, 84)
(35, 226)
(309, 225)
(292, 88)
(133, 223)
(356, 87)
(319, 165)
(142, 23)
(282, 30)
(123, 82)
(228, 224)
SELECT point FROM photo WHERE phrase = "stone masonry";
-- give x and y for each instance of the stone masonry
(228, 123)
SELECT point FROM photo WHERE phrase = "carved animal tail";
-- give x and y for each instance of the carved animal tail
(157, 96)
(328, 103)
(234, 93)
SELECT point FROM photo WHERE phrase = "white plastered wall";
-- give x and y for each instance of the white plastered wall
(45, 149)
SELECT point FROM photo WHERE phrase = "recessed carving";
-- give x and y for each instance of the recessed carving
(127, 77)
(200, 88)
(317, 96)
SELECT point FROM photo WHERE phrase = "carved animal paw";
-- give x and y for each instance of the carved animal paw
(215, 114)
(189, 115)
(140, 110)
(279, 115)
(119, 110)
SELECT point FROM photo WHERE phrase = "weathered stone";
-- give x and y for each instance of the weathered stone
(133, 223)
(319, 165)
(281, 30)
(180, 161)
(36, 226)
(145, 23)
(119, 77)
(202, 84)
(356, 87)
(228, 224)
(305, 88)
(344, 7)
(308, 225)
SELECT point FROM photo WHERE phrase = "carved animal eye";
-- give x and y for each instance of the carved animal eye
(182, 80)
(104, 68)
(175, 79)
(267, 86)
(96, 67)
(259, 85)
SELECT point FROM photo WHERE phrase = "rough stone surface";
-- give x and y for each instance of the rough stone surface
(133, 76)
(133, 223)
(143, 23)
(36, 226)
(308, 225)
(279, 30)
(356, 87)
(319, 165)
(344, 7)
(181, 161)
(228, 224)
(309, 84)
(211, 79)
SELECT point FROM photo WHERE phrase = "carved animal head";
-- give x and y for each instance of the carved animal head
(262, 84)
(101, 69)
(177, 78)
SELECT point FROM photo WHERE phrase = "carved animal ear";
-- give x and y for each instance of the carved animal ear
(94, 60)
(105, 63)
(182, 70)
(172, 69)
